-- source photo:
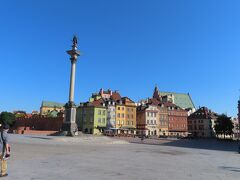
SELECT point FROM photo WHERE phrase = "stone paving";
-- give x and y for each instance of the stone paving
(89, 157)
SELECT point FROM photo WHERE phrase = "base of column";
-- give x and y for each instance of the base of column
(69, 129)
(69, 126)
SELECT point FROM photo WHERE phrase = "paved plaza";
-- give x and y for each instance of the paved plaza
(96, 158)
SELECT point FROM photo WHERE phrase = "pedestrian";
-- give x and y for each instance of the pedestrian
(5, 147)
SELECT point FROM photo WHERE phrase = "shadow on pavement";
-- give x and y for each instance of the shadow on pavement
(233, 169)
(208, 144)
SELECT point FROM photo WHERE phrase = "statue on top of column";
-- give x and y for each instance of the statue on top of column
(75, 41)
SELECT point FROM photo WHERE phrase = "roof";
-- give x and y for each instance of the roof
(180, 99)
(203, 113)
(52, 104)
(153, 101)
(98, 102)
(115, 96)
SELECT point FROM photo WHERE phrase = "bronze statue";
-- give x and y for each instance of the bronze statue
(75, 41)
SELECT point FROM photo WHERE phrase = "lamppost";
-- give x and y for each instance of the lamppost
(69, 124)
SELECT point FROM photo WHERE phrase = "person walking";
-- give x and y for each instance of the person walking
(4, 150)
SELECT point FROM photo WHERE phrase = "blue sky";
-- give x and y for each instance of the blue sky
(128, 45)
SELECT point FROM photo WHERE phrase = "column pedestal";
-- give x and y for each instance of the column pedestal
(69, 125)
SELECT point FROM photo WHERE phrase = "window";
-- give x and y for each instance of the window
(99, 112)
(132, 109)
(91, 119)
(148, 114)
(103, 120)
(104, 112)
(151, 121)
(155, 122)
(99, 120)
(118, 122)
(118, 108)
(147, 121)
(118, 115)
(122, 115)
(132, 123)
(128, 116)
(128, 109)
(127, 122)
(123, 108)
(122, 122)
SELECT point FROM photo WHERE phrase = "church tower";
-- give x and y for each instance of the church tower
(156, 93)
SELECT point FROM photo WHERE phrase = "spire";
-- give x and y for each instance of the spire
(156, 93)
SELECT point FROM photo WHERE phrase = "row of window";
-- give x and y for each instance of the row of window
(195, 121)
(101, 112)
(200, 127)
(128, 109)
(178, 119)
(127, 122)
(151, 114)
(177, 114)
(123, 115)
(151, 122)
(177, 125)
(101, 120)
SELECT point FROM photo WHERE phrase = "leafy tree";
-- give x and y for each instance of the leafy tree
(7, 118)
(224, 125)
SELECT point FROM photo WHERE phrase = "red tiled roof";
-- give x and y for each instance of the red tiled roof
(153, 101)
(115, 96)
(98, 102)
(204, 113)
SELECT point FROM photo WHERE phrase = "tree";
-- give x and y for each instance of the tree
(7, 118)
(224, 125)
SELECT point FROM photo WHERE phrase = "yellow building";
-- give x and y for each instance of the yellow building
(47, 107)
(126, 116)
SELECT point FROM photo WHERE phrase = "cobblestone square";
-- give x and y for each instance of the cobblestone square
(90, 157)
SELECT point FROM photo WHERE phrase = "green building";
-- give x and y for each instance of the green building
(92, 117)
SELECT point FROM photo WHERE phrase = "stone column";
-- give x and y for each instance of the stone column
(72, 81)
(69, 124)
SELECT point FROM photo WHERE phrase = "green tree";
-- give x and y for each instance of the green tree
(7, 118)
(224, 125)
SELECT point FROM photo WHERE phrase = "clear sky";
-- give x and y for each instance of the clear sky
(127, 45)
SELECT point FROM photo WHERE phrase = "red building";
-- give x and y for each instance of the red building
(177, 119)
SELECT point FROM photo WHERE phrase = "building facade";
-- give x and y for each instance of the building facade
(177, 120)
(201, 123)
(92, 117)
(148, 120)
(163, 121)
(107, 110)
(126, 116)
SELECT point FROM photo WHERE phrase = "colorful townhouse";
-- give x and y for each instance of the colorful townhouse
(171, 118)
(177, 120)
(126, 116)
(163, 125)
(148, 120)
(201, 123)
(118, 113)
(92, 117)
